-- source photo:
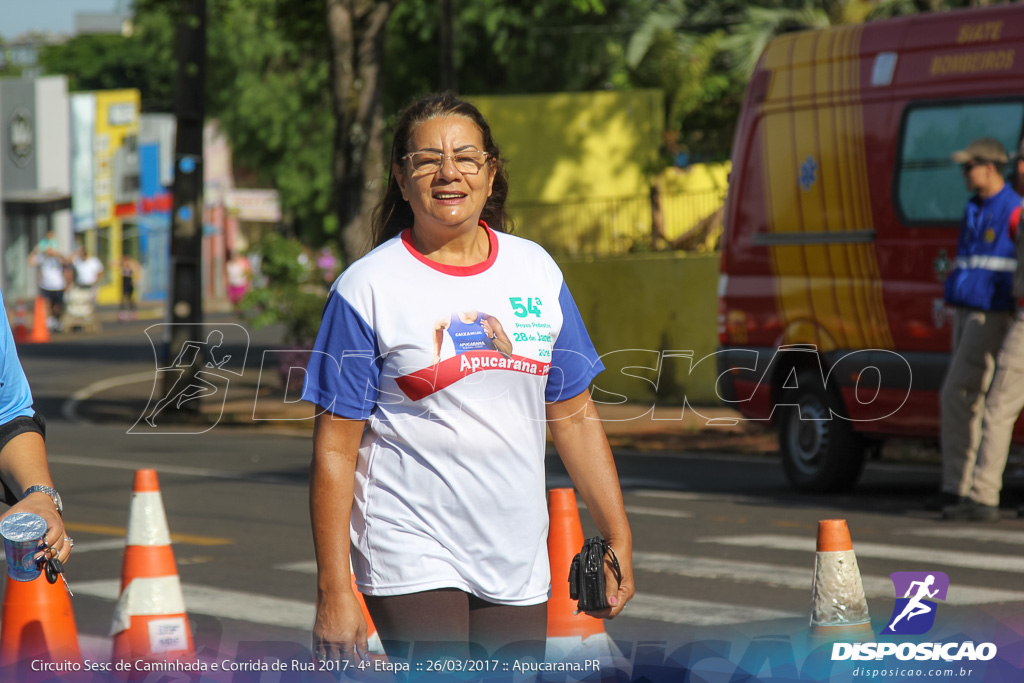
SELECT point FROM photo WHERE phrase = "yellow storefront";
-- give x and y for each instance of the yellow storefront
(116, 181)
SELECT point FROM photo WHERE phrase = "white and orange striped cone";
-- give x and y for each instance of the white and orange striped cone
(150, 621)
(571, 636)
(839, 608)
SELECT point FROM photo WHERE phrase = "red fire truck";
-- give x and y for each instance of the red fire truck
(842, 222)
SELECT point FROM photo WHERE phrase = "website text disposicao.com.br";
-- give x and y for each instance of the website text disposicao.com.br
(909, 672)
(960, 660)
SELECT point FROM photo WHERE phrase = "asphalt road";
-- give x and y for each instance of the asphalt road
(722, 546)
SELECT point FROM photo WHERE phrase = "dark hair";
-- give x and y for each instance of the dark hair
(393, 214)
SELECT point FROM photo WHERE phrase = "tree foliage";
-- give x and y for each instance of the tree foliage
(144, 60)
(301, 100)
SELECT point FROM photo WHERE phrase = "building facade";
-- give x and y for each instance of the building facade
(35, 176)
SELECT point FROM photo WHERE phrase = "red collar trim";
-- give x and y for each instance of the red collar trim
(458, 271)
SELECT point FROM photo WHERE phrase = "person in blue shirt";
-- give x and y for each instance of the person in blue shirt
(980, 290)
(24, 472)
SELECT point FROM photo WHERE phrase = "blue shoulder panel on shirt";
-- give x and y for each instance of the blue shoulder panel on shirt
(344, 368)
(574, 362)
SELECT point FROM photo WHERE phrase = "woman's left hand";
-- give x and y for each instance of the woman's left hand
(57, 541)
(617, 592)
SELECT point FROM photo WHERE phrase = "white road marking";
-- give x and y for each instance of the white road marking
(202, 472)
(70, 407)
(649, 511)
(93, 546)
(222, 603)
(927, 556)
(780, 576)
(959, 533)
(698, 612)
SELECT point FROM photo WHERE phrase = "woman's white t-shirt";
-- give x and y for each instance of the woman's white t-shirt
(450, 483)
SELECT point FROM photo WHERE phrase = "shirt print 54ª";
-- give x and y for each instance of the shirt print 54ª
(472, 341)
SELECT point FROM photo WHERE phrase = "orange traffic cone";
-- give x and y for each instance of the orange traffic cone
(20, 327)
(571, 636)
(150, 621)
(372, 639)
(839, 608)
(38, 623)
(40, 328)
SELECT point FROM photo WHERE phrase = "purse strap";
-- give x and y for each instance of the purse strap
(615, 561)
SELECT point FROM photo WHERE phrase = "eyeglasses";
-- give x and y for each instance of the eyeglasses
(468, 162)
(969, 166)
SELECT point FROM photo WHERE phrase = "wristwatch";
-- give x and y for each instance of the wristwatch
(51, 492)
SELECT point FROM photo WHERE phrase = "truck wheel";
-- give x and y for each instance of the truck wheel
(819, 455)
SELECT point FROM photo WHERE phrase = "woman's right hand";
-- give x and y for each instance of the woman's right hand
(340, 629)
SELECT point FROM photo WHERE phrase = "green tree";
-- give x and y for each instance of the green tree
(678, 47)
(143, 60)
(508, 46)
(269, 86)
(356, 37)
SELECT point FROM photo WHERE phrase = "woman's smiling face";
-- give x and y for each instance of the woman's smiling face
(449, 196)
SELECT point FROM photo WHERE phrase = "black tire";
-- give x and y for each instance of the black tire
(818, 455)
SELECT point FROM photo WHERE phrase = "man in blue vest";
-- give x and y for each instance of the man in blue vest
(980, 289)
(1005, 398)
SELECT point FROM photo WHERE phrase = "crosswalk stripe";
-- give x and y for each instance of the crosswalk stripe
(959, 533)
(657, 512)
(93, 546)
(698, 612)
(649, 511)
(927, 556)
(780, 576)
(261, 609)
(222, 603)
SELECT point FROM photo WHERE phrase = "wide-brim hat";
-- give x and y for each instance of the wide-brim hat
(982, 149)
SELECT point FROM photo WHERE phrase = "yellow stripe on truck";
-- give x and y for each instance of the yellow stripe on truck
(814, 116)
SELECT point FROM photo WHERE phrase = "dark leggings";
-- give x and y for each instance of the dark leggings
(451, 624)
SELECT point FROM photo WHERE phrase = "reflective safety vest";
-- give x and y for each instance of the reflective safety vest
(982, 275)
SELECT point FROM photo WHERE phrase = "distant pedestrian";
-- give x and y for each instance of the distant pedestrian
(1005, 398)
(88, 270)
(239, 274)
(129, 270)
(327, 262)
(52, 281)
(980, 290)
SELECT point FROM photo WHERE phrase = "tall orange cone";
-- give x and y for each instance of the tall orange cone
(571, 636)
(40, 323)
(839, 609)
(20, 327)
(149, 620)
(38, 623)
(372, 639)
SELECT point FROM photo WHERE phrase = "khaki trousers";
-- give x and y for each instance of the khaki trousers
(1003, 406)
(977, 339)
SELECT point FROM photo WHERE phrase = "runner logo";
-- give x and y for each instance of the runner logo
(201, 370)
(914, 613)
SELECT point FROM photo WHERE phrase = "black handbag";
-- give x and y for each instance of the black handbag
(586, 575)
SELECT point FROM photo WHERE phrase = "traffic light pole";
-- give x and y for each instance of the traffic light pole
(185, 301)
